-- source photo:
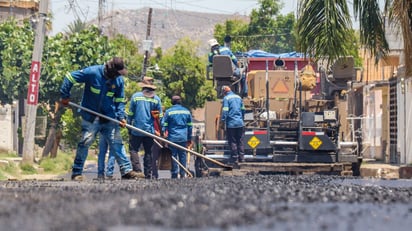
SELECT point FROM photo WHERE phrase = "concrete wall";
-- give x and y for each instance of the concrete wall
(6, 128)
(17, 9)
(404, 122)
(372, 123)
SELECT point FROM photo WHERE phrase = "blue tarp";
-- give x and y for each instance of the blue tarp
(260, 53)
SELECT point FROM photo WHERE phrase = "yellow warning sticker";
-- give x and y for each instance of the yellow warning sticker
(315, 143)
(280, 87)
(253, 142)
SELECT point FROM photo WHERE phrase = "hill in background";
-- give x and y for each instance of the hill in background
(167, 26)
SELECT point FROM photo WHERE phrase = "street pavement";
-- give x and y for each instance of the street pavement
(90, 170)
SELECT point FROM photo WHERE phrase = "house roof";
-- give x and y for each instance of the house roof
(26, 4)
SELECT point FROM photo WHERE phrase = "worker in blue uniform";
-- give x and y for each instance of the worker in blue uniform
(104, 94)
(143, 104)
(216, 49)
(177, 127)
(233, 112)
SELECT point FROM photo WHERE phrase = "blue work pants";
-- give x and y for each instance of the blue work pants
(109, 131)
(235, 138)
(134, 145)
(180, 155)
(101, 159)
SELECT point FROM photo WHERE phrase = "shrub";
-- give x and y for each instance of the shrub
(10, 169)
(28, 169)
(62, 163)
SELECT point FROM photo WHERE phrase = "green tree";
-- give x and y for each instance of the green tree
(75, 27)
(64, 54)
(267, 30)
(237, 29)
(184, 74)
(129, 51)
(400, 14)
(262, 24)
(323, 25)
(284, 38)
(70, 128)
(16, 46)
(323, 28)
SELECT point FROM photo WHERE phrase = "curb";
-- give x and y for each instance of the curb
(405, 172)
(387, 171)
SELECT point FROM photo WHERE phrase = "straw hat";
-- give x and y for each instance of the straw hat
(147, 85)
(147, 82)
(213, 42)
(147, 79)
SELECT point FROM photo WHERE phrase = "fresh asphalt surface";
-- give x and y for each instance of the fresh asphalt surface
(90, 171)
(250, 202)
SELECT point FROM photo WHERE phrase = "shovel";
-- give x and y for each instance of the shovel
(227, 167)
(165, 159)
(167, 154)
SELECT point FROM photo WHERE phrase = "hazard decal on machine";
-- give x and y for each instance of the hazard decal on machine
(253, 142)
(280, 87)
(315, 143)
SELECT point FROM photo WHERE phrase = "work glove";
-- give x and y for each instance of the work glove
(222, 125)
(65, 102)
(155, 114)
(189, 144)
(122, 123)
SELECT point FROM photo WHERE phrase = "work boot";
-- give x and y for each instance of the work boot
(132, 175)
(149, 176)
(233, 160)
(241, 158)
(77, 178)
(99, 178)
(135, 159)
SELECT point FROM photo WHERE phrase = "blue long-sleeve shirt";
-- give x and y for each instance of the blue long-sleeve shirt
(177, 121)
(105, 96)
(140, 112)
(233, 110)
(224, 51)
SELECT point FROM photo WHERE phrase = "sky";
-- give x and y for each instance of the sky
(66, 11)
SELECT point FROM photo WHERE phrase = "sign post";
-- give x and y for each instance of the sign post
(33, 88)
(33, 91)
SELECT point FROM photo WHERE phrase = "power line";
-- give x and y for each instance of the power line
(76, 9)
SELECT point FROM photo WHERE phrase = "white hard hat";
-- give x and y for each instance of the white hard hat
(213, 42)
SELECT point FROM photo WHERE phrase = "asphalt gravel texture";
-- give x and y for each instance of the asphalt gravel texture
(251, 202)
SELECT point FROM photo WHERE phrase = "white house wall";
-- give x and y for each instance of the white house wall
(405, 122)
(372, 123)
(6, 128)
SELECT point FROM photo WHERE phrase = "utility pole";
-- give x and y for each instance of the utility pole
(101, 12)
(147, 44)
(33, 88)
